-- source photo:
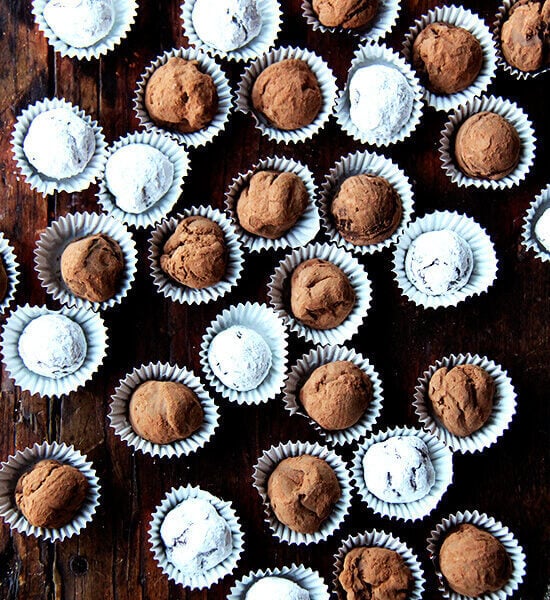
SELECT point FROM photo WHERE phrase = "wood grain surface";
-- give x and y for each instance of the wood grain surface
(111, 559)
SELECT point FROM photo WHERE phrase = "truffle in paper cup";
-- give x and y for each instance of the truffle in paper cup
(22, 461)
(496, 529)
(442, 461)
(11, 266)
(177, 291)
(265, 322)
(280, 283)
(180, 162)
(375, 54)
(271, 15)
(327, 85)
(509, 111)
(304, 230)
(266, 465)
(529, 238)
(366, 163)
(380, 539)
(484, 268)
(54, 240)
(118, 413)
(503, 411)
(95, 334)
(207, 65)
(40, 182)
(300, 372)
(210, 576)
(466, 19)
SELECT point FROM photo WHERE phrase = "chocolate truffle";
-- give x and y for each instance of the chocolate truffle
(180, 96)
(447, 58)
(349, 14)
(321, 295)
(302, 491)
(462, 398)
(271, 203)
(287, 94)
(51, 493)
(542, 229)
(375, 573)
(164, 411)
(525, 35)
(92, 267)
(487, 146)
(4, 281)
(195, 254)
(366, 210)
(336, 394)
(473, 561)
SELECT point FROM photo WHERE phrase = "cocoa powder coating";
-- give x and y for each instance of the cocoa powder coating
(349, 14)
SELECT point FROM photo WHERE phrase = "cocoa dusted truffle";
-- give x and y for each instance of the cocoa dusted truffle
(3, 280)
(321, 295)
(336, 394)
(473, 561)
(287, 93)
(462, 398)
(92, 267)
(51, 493)
(366, 210)
(195, 254)
(349, 14)
(180, 96)
(487, 146)
(303, 491)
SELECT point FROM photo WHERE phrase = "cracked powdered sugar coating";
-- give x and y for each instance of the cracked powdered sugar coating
(542, 230)
(276, 588)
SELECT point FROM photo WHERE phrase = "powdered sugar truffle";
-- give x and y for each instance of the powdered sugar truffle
(276, 588)
(542, 230)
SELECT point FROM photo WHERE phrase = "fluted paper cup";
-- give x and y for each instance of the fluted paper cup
(211, 576)
(484, 258)
(11, 266)
(40, 182)
(325, 78)
(509, 111)
(365, 163)
(266, 465)
(299, 374)
(23, 460)
(442, 461)
(95, 333)
(529, 240)
(496, 529)
(305, 228)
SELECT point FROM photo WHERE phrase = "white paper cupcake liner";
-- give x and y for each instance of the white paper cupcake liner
(354, 271)
(384, 21)
(504, 406)
(207, 65)
(500, 18)
(263, 320)
(125, 16)
(366, 163)
(442, 461)
(266, 465)
(225, 509)
(305, 577)
(270, 11)
(376, 54)
(460, 17)
(534, 212)
(495, 528)
(380, 539)
(485, 262)
(54, 240)
(96, 339)
(21, 461)
(304, 230)
(118, 413)
(325, 78)
(300, 372)
(515, 116)
(181, 293)
(180, 161)
(11, 267)
(41, 183)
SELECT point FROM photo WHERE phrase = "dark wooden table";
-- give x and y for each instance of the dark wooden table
(111, 559)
